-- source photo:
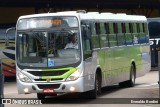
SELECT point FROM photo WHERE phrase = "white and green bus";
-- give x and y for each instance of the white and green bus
(112, 48)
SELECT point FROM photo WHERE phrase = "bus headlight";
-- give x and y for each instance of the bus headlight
(23, 78)
(74, 75)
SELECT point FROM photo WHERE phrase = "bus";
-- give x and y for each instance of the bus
(112, 48)
(7, 50)
(154, 28)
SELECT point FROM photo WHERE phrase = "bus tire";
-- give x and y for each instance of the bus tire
(40, 96)
(97, 88)
(131, 81)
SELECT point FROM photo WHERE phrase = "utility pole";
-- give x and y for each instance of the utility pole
(1, 84)
(159, 70)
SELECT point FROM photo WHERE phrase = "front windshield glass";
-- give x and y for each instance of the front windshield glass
(48, 48)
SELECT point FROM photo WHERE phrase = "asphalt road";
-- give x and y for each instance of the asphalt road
(112, 96)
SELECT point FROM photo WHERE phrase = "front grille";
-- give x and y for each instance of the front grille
(48, 73)
(54, 86)
(51, 79)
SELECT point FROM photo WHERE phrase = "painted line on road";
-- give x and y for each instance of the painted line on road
(148, 85)
(10, 93)
(145, 88)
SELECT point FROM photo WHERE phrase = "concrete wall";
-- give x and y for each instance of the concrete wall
(10, 15)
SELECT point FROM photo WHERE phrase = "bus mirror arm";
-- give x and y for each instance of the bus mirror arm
(7, 38)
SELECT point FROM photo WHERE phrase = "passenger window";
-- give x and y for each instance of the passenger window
(95, 36)
(86, 41)
(112, 36)
(142, 36)
(134, 28)
(127, 27)
(106, 28)
(103, 36)
(141, 27)
(138, 29)
(97, 26)
(111, 31)
(146, 32)
(128, 35)
(123, 28)
(115, 27)
(119, 27)
(130, 28)
(120, 35)
(102, 28)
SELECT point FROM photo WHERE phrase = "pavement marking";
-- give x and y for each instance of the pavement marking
(10, 93)
(148, 86)
(144, 88)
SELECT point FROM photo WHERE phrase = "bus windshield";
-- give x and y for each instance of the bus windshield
(48, 47)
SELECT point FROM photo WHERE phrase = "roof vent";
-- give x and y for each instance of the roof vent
(81, 11)
(93, 13)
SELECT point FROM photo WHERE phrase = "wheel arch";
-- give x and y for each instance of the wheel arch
(99, 73)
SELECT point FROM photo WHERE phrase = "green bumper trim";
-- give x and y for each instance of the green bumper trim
(69, 71)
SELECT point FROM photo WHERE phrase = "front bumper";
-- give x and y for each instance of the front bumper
(58, 86)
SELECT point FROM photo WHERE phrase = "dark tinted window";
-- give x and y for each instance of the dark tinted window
(154, 28)
(97, 25)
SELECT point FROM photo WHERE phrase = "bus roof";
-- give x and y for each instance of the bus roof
(92, 16)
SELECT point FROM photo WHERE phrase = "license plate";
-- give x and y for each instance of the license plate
(48, 90)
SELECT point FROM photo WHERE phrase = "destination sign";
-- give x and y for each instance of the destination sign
(47, 22)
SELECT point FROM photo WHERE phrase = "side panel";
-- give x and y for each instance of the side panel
(7, 52)
(118, 62)
(90, 66)
(108, 66)
(146, 60)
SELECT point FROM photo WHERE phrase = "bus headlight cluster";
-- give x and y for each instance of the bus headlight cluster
(23, 78)
(74, 76)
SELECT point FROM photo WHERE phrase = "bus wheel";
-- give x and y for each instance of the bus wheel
(40, 95)
(97, 88)
(131, 81)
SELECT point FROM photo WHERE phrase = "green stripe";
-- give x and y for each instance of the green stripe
(65, 75)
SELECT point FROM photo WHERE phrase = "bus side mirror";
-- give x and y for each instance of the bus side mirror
(7, 37)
